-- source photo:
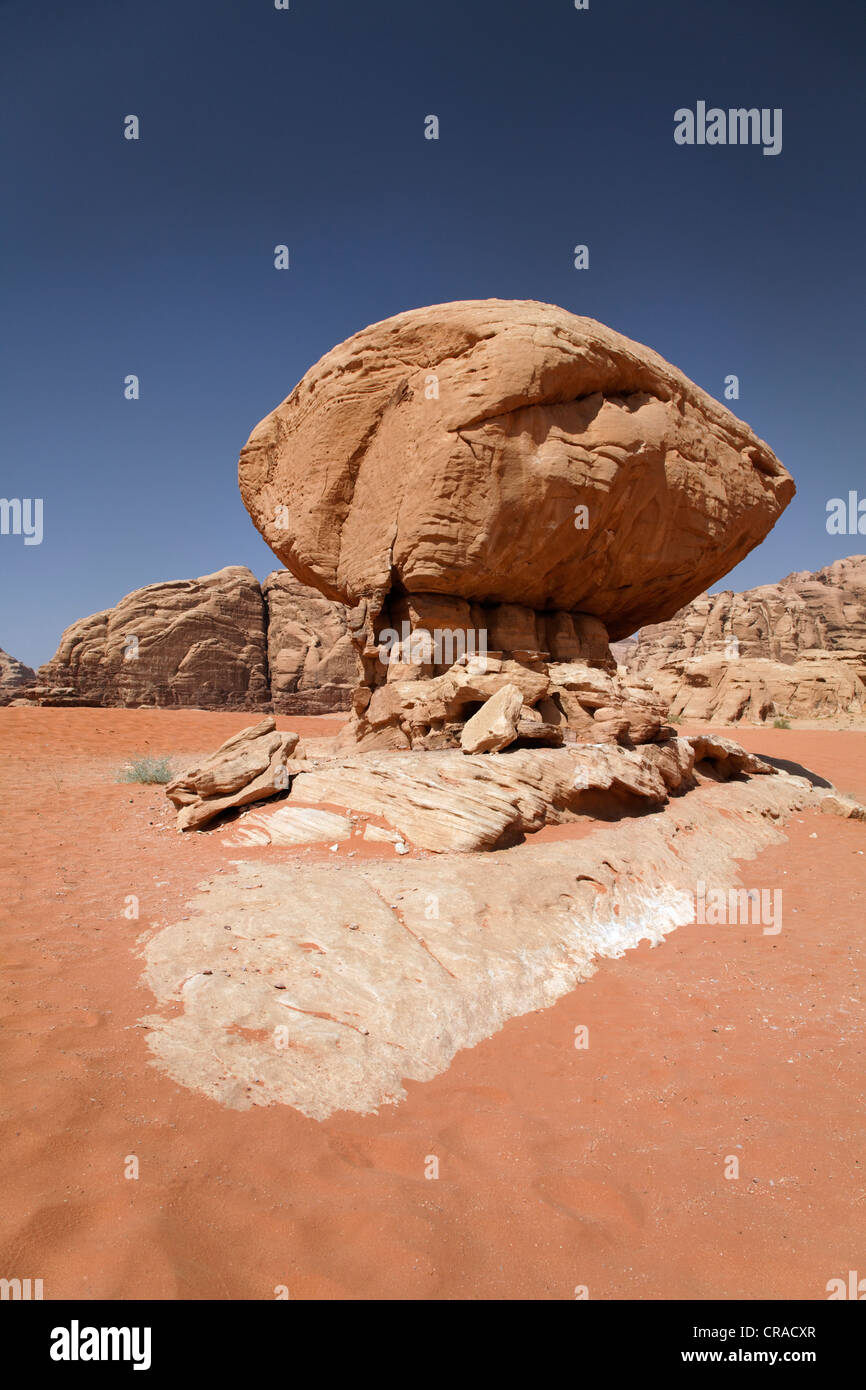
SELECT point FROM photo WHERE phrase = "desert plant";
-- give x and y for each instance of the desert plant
(781, 723)
(147, 770)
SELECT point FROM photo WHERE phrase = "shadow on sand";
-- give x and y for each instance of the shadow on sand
(796, 770)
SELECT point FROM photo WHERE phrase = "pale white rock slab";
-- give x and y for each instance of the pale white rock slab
(290, 825)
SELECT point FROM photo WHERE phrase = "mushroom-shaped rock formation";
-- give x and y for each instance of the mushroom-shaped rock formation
(509, 473)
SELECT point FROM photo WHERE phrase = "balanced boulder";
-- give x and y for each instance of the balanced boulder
(517, 484)
(509, 452)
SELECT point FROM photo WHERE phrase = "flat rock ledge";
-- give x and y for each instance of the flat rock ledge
(450, 801)
(327, 987)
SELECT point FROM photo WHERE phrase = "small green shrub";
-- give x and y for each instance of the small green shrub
(781, 723)
(147, 770)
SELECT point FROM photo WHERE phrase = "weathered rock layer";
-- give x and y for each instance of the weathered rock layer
(806, 611)
(444, 802)
(195, 642)
(327, 988)
(218, 642)
(15, 678)
(796, 648)
(312, 663)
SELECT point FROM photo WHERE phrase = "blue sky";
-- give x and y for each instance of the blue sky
(306, 127)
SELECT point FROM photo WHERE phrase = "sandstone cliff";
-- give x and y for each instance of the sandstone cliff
(313, 665)
(15, 678)
(194, 642)
(795, 648)
(215, 642)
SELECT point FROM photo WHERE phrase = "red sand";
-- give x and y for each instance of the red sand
(558, 1167)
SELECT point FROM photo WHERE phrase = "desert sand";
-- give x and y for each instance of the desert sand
(558, 1168)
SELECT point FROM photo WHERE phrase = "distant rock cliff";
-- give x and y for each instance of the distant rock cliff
(794, 648)
(15, 678)
(217, 642)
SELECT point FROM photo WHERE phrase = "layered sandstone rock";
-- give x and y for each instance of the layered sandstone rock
(450, 449)
(584, 703)
(496, 723)
(451, 802)
(290, 825)
(414, 959)
(796, 648)
(217, 642)
(15, 678)
(820, 685)
(312, 661)
(250, 766)
(820, 611)
(198, 642)
(509, 475)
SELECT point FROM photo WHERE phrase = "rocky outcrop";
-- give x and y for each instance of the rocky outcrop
(567, 701)
(217, 642)
(508, 452)
(198, 642)
(329, 986)
(312, 661)
(15, 678)
(796, 649)
(250, 766)
(497, 488)
(445, 801)
(820, 685)
(820, 611)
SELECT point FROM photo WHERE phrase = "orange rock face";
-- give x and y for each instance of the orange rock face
(194, 642)
(804, 612)
(313, 666)
(221, 641)
(508, 452)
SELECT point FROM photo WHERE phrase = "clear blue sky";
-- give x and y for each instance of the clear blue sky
(306, 127)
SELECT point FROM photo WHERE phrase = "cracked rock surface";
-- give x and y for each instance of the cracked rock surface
(327, 988)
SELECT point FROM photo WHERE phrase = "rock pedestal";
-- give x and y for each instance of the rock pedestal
(444, 659)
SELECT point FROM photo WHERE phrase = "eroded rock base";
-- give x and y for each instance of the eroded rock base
(441, 801)
(328, 987)
(431, 674)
